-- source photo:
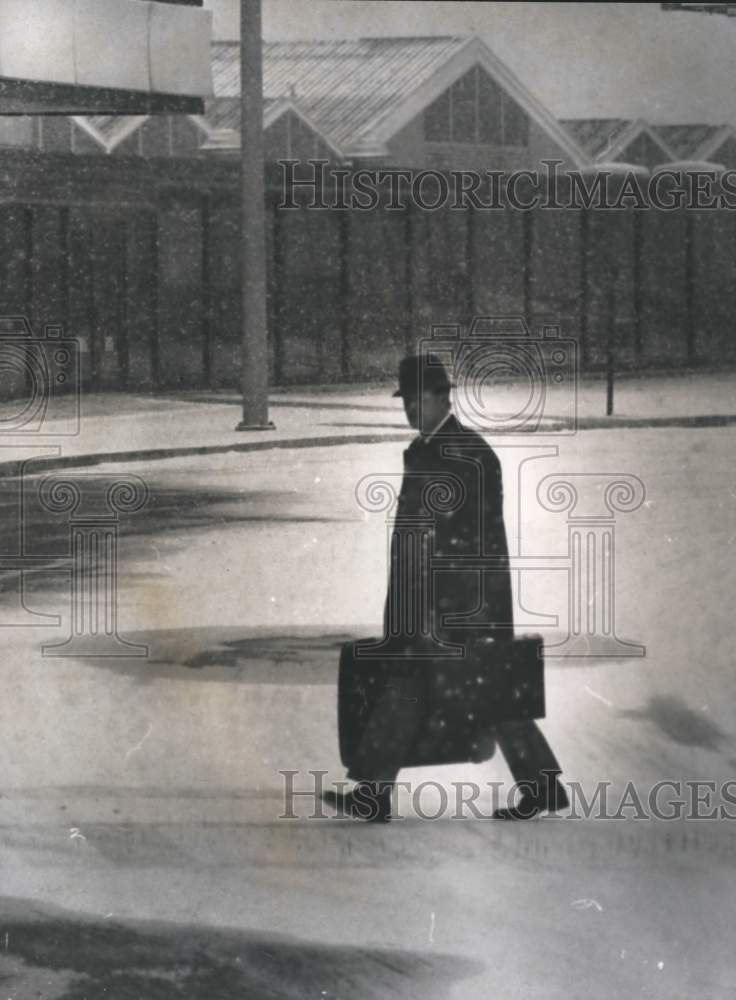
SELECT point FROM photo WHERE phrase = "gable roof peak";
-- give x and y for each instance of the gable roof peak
(361, 91)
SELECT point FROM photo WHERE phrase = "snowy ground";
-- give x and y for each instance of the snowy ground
(144, 791)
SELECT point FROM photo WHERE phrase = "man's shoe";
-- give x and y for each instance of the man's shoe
(531, 806)
(528, 808)
(367, 801)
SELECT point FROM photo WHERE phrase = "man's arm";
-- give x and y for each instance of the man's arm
(497, 579)
(491, 505)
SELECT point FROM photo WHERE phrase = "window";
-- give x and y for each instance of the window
(16, 131)
(476, 110)
(290, 136)
(276, 140)
(465, 108)
(643, 151)
(437, 119)
(303, 141)
(725, 154)
(490, 117)
(515, 123)
(56, 133)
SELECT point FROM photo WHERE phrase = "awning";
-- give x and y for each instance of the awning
(128, 57)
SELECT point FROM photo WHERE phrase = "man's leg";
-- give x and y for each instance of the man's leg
(387, 739)
(534, 766)
(391, 731)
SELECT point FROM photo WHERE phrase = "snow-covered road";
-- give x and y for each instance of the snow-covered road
(242, 576)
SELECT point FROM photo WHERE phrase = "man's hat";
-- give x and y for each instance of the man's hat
(422, 373)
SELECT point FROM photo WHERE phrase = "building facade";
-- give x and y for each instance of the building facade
(124, 230)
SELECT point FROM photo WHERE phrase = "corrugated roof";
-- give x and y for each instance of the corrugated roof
(349, 89)
(226, 69)
(346, 87)
(686, 140)
(596, 135)
(223, 112)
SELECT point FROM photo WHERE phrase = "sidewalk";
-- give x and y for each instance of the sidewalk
(128, 426)
(142, 850)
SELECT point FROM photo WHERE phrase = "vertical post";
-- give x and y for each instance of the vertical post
(92, 324)
(345, 249)
(28, 283)
(278, 288)
(123, 347)
(206, 299)
(584, 287)
(154, 304)
(610, 342)
(65, 267)
(409, 334)
(528, 250)
(638, 284)
(28, 263)
(690, 265)
(253, 229)
(470, 264)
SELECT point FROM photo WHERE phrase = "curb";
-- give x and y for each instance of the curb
(10, 469)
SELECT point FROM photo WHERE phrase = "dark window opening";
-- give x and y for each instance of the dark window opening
(725, 154)
(465, 108)
(644, 152)
(490, 117)
(475, 109)
(515, 123)
(437, 119)
(16, 131)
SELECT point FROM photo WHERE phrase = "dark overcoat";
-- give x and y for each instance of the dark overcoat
(452, 497)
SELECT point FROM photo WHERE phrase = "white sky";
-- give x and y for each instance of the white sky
(580, 59)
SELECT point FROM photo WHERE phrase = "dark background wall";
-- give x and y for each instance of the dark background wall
(138, 259)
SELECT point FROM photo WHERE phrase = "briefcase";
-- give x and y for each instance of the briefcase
(496, 681)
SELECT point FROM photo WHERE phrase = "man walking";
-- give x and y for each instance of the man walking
(454, 606)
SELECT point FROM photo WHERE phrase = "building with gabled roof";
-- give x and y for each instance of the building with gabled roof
(431, 101)
(610, 140)
(436, 101)
(289, 131)
(440, 101)
(700, 142)
(126, 230)
(686, 141)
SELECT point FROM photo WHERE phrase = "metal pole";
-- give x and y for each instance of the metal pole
(584, 287)
(611, 343)
(254, 320)
(690, 264)
(343, 221)
(527, 224)
(208, 347)
(638, 284)
(278, 291)
(409, 333)
(469, 265)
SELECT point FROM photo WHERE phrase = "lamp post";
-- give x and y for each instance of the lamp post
(254, 325)
(602, 245)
